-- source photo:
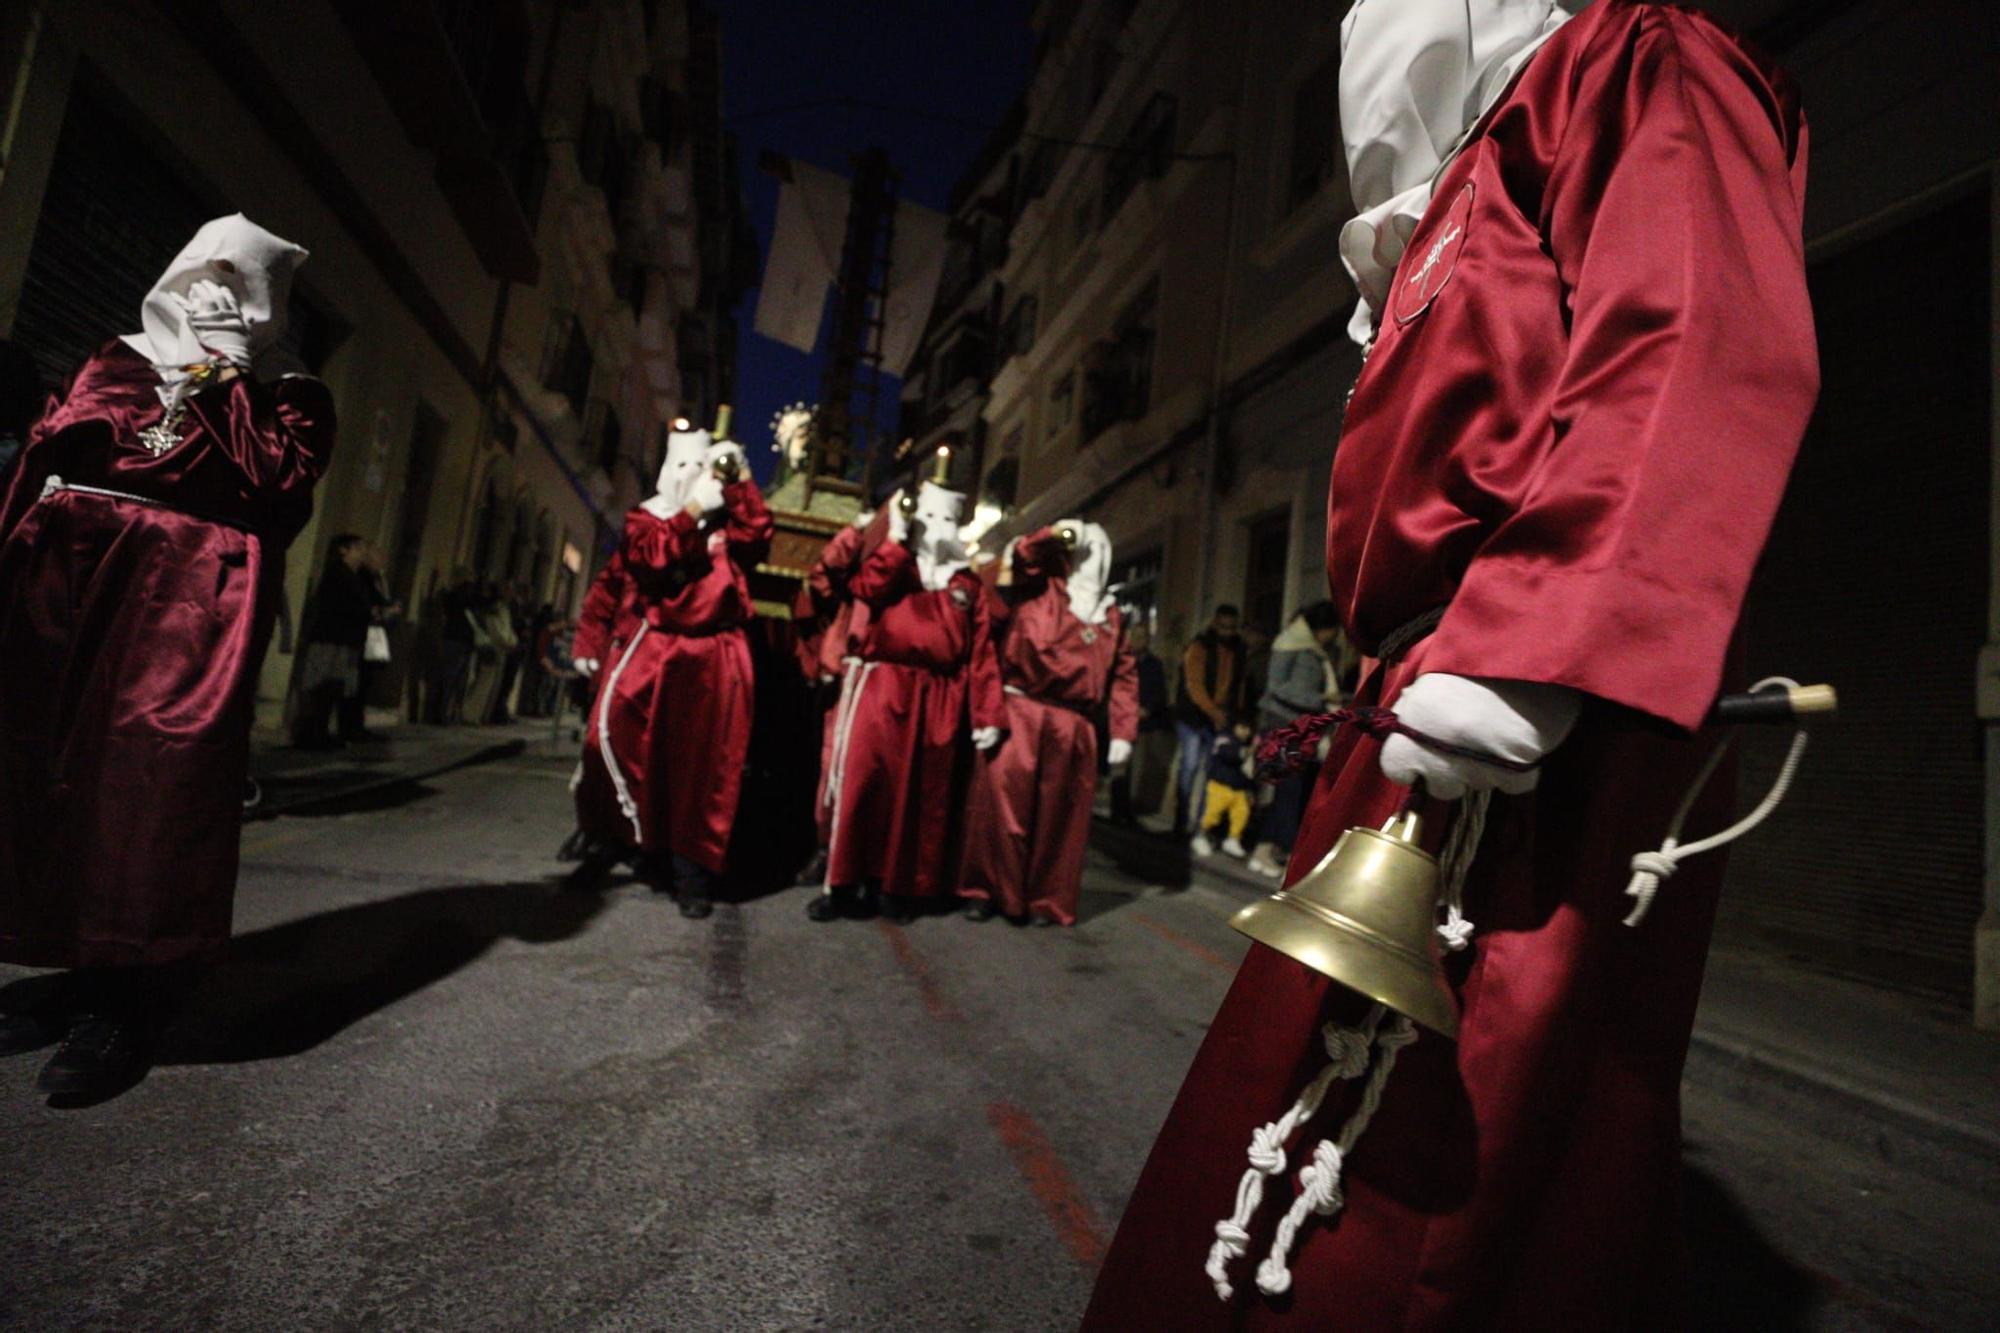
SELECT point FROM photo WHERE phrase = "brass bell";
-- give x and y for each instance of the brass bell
(1068, 536)
(1366, 916)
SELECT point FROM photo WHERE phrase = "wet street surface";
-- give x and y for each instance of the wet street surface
(429, 1090)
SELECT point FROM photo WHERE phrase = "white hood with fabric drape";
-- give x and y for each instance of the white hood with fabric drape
(1415, 76)
(255, 265)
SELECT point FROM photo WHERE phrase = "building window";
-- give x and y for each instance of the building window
(1135, 582)
(567, 363)
(1145, 153)
(1002, 483)
(610, 441)
(1118, 370)
(1019, 334)
(1062, 404)
(1316, 147)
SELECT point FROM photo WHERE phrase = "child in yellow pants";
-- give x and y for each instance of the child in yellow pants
(1229, 788)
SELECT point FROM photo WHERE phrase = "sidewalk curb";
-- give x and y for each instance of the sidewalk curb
(427, 768)
(1819, 1102)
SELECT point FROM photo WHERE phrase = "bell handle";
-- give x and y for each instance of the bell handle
(1407, 822)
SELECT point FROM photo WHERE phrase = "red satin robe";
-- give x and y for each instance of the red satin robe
(1027, 821)
(669, 730)
(1573, 430)
(926, 663)
(823, 655)
(131, 634)
(610, 614)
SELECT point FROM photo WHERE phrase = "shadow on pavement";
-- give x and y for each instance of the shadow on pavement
(288, 988)
(1736, 1277)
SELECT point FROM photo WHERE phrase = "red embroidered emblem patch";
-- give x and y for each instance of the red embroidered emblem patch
(1433, 258)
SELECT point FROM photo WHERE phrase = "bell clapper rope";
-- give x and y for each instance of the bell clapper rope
(1651, 869)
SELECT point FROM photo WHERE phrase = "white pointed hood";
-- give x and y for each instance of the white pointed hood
(1089, 582)
(1415, 76)
(939, 551)
(685, 464)
(259, 268)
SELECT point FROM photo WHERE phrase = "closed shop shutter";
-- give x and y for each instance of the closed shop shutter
(113, 215)
(1876, 581)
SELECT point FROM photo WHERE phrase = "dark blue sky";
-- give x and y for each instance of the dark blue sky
(967, 59)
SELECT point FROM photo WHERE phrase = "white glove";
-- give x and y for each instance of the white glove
(985, 738)
(1511, 719)
(657, 506)
(706, 495)
(586, 666)
(899, 522)
(1119, 753)
(864, 518)
(217, 321)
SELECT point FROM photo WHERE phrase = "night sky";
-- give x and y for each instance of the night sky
(966, 59)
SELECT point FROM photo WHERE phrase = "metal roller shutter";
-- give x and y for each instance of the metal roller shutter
(1876, 580)
(114, 212)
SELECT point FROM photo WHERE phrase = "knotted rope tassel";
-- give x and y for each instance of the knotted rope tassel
(1455, 864)
(1319, 1183)
(1651, 869)
(1347, 1051)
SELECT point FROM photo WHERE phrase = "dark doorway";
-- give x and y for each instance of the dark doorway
(1264, 570)
(1876, 580)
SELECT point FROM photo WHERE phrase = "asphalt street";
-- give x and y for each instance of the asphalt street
(430, 1091)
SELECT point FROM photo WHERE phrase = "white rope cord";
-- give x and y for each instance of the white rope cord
(1456, 863)
(842, 713)
(859, 672)
(1319, 1183)
(1651, 869)
(1347, 1057)
(626, 804)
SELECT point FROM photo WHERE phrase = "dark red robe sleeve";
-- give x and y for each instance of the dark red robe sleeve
(982, 667)
(1123, 703)
(1672, 211)
(747, 524)
(887, 575)
(600, 607)
(657, 545)
(279, 434)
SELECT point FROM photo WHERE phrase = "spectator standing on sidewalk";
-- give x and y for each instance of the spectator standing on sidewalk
(1142, 780)
(1230, 793)
(1309, 663)
(1211, 691)
(353, 715)
(142, 539)
(336, 628)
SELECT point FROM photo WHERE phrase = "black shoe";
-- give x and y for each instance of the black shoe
(897, 910)
(1041, 919)
(695, 903)
(21, 1033)
(978, 909)
(814, 871)
(99, 1057)
(831, 905)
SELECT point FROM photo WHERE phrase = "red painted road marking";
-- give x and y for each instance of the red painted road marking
(1193, 946)
(935, 1000)
(1074, 1219)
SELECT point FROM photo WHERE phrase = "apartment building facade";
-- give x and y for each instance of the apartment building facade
(525, 229)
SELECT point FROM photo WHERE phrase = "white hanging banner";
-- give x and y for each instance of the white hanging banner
(805, 252)
(916, 262)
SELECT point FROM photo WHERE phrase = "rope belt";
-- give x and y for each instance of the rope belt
(54, 484)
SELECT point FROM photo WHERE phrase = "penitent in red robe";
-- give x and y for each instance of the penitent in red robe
(132, 627)
(823, 654)
(1573, 430)
(926, 675)
(669, 729)
(1027, 822)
